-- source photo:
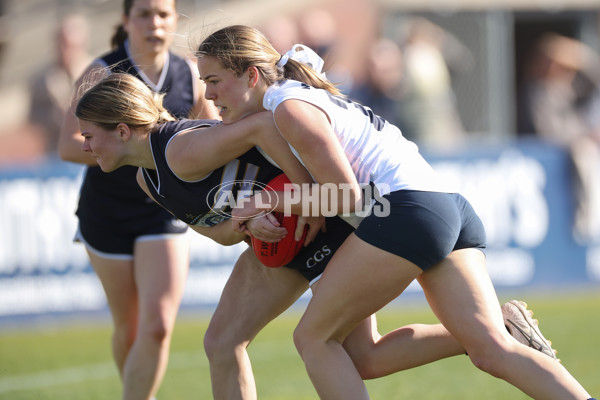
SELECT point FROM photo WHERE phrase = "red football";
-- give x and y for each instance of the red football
(278, 254)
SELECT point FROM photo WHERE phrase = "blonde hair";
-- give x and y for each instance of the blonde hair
(238, 47)
(122, 98)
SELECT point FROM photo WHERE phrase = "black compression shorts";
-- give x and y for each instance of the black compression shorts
(424, 227)
(311, 260)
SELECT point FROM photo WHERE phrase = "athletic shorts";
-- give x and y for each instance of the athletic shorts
(424, 227)
(311, 260)
(110, 242)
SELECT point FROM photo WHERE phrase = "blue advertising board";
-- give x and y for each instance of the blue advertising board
(43, 271)
(523, 192)
(525, 196)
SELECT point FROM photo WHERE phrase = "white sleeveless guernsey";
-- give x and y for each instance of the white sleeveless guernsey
(376, 149)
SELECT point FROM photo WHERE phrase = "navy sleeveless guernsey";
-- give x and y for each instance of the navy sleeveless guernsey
(113, 202)
(193, 202)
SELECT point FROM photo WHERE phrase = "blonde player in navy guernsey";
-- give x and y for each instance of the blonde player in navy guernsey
(430, 233)
(137, 249)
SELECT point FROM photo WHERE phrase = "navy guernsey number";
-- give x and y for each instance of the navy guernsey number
(343, 102)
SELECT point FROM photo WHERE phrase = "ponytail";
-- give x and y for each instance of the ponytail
(301, 72)
(163, 115)
(119, 37)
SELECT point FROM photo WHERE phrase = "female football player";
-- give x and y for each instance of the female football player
(431, 233)
(137, 249)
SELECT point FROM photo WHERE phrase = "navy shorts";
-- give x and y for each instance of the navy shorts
(311, 260)
(424, 227)
(118, 242)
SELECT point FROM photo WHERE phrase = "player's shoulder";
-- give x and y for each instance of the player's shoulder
(179, 139)
(288, 86)
(114, 57)
(282, 91)
(172, 128)
(285, 97)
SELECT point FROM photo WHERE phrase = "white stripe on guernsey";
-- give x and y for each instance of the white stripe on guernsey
(85, 373)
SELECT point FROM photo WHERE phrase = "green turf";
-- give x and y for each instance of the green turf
(73, 361)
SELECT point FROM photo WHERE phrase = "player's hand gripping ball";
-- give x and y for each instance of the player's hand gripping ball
(280, 253)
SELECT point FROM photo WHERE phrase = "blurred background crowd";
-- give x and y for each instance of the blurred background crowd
(451, 74)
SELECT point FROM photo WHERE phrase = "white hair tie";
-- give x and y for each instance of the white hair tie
(283, 60)
(303, 54)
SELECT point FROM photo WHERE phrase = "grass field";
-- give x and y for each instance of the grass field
(72, 361)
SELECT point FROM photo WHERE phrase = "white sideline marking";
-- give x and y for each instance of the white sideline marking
(62, 376)
(90, 372)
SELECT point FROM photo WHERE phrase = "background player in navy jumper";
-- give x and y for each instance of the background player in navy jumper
(180, 163)
(136, 248)
(343, 144)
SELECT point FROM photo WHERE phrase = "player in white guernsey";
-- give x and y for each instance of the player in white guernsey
(376, 150)
(430, 233)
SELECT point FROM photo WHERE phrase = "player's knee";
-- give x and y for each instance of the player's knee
(301, 340)
(124, 334)
(158, 329)
(487, 364)
(362, 353)
(212, 343)
(307, 340)
(220, 346)
(366, 366)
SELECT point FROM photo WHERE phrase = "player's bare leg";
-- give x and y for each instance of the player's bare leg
(117, 279)
(413, 345)
(409, 346)
(460, 293)
(161, 268)
(253, 296)
(348, 293)
(359, 291)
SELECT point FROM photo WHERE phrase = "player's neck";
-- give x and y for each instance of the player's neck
(151, 64)
(140, 154)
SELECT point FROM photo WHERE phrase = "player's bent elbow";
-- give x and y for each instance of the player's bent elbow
(64, 154)
(66, 157)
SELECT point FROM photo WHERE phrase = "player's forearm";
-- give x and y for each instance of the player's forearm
(221, 233)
